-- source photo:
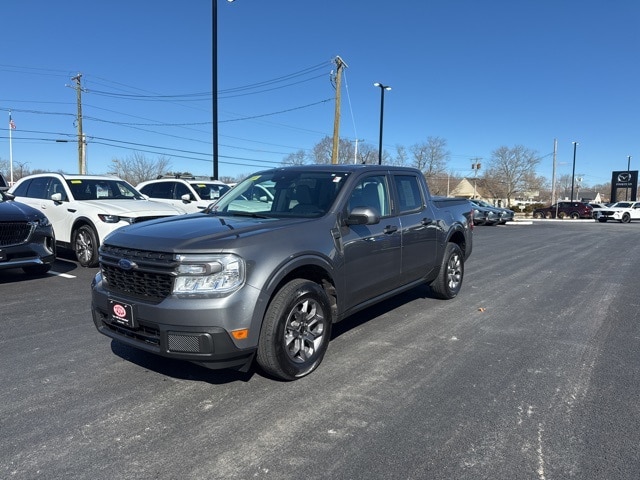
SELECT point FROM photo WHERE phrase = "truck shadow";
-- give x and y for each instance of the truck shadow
(179, 369)
(183, 370)
(420, 292)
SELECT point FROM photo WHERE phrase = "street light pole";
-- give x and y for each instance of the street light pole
(382, 89)
(573, 173)
(626, 190)
(214, 81)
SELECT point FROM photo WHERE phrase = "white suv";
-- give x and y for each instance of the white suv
(85, 208)
(192, 194)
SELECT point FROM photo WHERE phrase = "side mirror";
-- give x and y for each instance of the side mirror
(186, 198)
(363, 216)
(57, 197)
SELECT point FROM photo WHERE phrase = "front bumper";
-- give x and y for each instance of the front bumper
(195, 330)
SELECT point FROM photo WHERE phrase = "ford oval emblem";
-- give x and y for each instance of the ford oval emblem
(125, 264)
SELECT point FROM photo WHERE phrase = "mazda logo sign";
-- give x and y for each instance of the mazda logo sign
(624, 177)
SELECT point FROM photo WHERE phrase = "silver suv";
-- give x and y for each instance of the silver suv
(192, 194)
(83, 209)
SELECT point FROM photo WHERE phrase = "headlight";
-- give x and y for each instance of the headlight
(207, 274)
(43, 222)
(109, 218)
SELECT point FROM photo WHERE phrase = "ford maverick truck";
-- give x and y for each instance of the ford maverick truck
(263, 273)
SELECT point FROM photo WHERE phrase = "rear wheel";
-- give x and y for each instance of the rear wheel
(575, 215)
(562, 215)
(626, 218)
(449, 280)
(537, 215)
(85, 246)
(295, 331)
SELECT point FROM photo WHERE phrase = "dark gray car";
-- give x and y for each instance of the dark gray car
(26, 237)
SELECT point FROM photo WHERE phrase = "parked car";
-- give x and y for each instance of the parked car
(623, 212)
(189, 193)
(504, 214)
(483, 216)
(83, 209)
(565, 209)
(4, 185)
(27, 240)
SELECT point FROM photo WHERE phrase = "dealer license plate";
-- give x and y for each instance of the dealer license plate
(122, 313)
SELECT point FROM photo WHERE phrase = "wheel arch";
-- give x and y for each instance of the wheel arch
(82, 221)
(310, 267)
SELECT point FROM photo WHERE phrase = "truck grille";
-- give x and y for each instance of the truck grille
(150, 280)
(15, 233)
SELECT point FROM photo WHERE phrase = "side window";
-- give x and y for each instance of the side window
(38, 188)
(56, 187)
(21, 190)
(182, 189)
(372, 192)
(159, 190)
(409, 193)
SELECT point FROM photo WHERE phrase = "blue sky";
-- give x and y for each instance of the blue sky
(480, 74)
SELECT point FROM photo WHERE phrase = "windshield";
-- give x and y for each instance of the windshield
(102, 189)
(210, 191)
(283, 193)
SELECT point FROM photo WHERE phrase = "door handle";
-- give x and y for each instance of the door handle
(390, 229)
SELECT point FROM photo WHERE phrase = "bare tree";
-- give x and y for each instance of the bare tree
(296, 158)
(137, 168)
(512, 168)
(323, 150)
(431, 157)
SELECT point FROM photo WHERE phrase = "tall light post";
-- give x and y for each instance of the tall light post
(214, 67)
(626, 190)
(382, 89)
(573, 172)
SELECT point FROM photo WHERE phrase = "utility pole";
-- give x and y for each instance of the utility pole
(82, 168)
(336, 119)
(553, 172)
(475, 166)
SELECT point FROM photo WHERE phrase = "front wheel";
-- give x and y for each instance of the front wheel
(295, 331)
(449, 280)
(626, 218)
(85, 246)
(538, 215)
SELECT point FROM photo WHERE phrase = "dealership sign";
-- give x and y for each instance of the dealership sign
(626, 179)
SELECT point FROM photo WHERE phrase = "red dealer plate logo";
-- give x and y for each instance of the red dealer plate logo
(121, 313)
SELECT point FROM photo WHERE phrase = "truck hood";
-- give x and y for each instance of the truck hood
(195, 232)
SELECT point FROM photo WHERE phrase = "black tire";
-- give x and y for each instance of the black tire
(449, 280)
(37, 269)
(562, 215)
(626, 218)
(575, 215)
(85, 246)
(295, 331)
(548, 215)
(538, 215)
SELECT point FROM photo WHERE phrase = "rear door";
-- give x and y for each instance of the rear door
(372, 253)
(418, 227)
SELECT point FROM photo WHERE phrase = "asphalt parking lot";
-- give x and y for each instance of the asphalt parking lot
(530, 373)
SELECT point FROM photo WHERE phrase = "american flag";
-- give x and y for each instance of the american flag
(12, 124)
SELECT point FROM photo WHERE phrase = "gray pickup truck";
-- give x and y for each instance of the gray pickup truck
(266, 271)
